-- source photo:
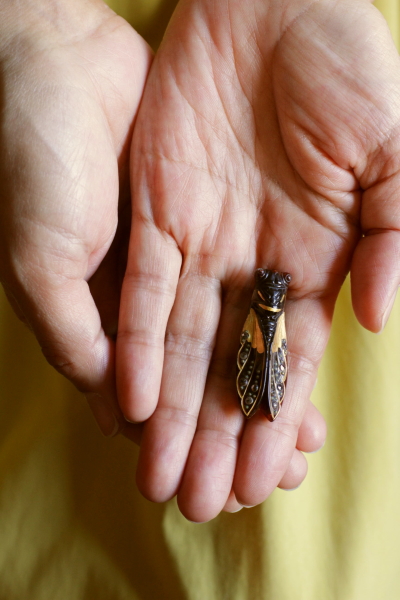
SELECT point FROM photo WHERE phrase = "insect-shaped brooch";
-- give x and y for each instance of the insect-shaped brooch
(262, 358)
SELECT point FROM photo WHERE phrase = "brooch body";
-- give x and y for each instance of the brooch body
(262, 357)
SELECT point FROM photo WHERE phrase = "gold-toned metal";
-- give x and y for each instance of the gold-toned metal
(280, 333)
(270, 308)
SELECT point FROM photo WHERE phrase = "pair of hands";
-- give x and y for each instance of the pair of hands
(267, 135)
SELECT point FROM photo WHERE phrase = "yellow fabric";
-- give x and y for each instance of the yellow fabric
(73, 526)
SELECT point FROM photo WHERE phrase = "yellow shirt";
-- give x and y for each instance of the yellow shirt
(74, 527)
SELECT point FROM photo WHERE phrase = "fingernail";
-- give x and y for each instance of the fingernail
(292, 489)
(250, 506)
(103, 414)
(235, 511)
(387, 312)
(131, 422)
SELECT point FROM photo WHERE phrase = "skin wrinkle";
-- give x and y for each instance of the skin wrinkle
(97, 88)
(222, 104)
(371, 160)
(74, 369)
(142, 338)
(209, 158)
(218, 437)
(306, 139)
(356, 88)
(320, 199)
(60, 162)
(155, 282)
(291, 198)
(72, 195)
(379, 230)
(230, 121)
(299, 282)
(198, 168)
(190, 347)
(72, 238)
(177, 414)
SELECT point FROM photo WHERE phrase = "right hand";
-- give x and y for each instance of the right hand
(72, 79)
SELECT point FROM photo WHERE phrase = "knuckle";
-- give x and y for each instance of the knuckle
(141, 337)
(180, 415)
(157, 283)
(219, 437)
(286, 427)
(302, 364)
(190, 347)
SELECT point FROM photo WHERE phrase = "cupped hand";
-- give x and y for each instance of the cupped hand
(267, 137)
(72, 79)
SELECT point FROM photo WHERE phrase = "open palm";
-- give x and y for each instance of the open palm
(266, 138)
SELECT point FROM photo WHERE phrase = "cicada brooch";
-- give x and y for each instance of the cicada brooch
(262, 358)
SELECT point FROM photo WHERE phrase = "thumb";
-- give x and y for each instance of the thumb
(65, 320)
(375, 269)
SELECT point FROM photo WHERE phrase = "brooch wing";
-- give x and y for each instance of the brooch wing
(277, 369)
(252, 365)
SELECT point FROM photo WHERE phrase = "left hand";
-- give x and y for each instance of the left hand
(269, 135)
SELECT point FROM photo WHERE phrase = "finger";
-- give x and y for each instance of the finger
(375, 269)
(148, 294)
(375, 278)
(295, 473)
(232, 505)
(188, 347)
(267, 448)
(312, 431)
(213, 459)
(293, 477)
(63, 316)
(210, 469)
(311, 437)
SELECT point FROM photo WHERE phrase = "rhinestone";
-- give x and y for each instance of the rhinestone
(244, 337)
